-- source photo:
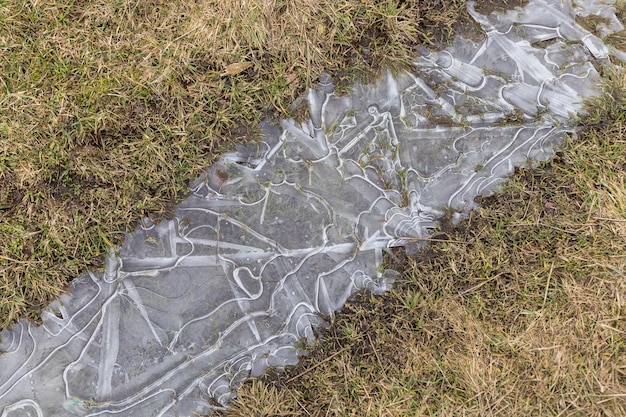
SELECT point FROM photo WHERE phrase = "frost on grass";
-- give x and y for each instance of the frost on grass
(277, 235)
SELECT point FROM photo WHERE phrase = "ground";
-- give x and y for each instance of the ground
(109, 109)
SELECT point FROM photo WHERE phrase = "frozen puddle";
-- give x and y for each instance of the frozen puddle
(283, 230)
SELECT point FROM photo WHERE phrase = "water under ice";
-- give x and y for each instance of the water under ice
(281, 232)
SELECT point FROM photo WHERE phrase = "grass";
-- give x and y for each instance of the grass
(108, 109)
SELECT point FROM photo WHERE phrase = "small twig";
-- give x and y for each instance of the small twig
(316, 365)
(475, 287)
(610, 397)
(298, 402)
(430, 239)
(376, 354)
(18, 261)
(545, 294)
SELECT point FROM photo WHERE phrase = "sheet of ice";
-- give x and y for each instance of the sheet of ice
(278, 234)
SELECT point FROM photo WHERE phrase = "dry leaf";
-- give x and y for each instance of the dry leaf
(234, 69)
(291, 78)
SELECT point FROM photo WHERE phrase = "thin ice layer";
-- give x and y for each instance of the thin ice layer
(278, 234)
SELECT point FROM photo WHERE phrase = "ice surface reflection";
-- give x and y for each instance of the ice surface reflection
(281, 232)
